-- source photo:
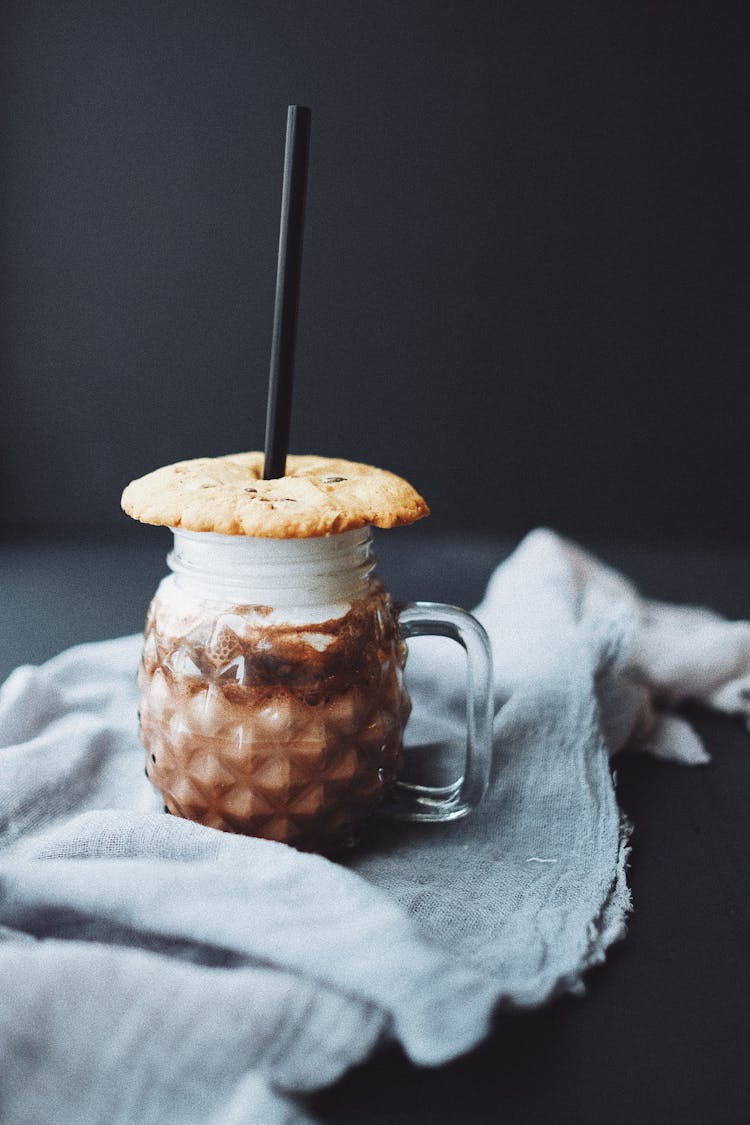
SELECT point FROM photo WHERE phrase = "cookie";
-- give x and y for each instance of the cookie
(227, 495)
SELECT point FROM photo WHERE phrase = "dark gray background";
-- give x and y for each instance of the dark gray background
(525, 282)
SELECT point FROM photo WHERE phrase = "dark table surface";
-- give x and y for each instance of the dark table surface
(663, 1033)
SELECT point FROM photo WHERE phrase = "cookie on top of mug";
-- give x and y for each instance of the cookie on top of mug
(227, 495)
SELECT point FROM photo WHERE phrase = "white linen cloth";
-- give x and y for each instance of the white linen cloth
(155, 970)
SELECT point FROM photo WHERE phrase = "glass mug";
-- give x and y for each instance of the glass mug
(272, 693)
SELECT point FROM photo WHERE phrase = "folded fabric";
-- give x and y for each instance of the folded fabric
(550, 589)
(152, 969)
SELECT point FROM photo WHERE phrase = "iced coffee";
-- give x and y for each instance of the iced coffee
(284, 719)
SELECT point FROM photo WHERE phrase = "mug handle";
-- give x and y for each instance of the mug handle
(451, 802)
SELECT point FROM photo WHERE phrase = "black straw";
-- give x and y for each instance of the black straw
(281, 375)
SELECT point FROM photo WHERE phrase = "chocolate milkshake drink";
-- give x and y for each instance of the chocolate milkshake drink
(272, 694)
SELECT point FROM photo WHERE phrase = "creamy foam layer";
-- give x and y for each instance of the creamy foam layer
(181, 613)
(296, 581)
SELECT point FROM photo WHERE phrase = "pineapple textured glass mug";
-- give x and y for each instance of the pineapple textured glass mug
(272, 690)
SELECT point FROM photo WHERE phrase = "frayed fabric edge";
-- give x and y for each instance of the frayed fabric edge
(607, 927)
